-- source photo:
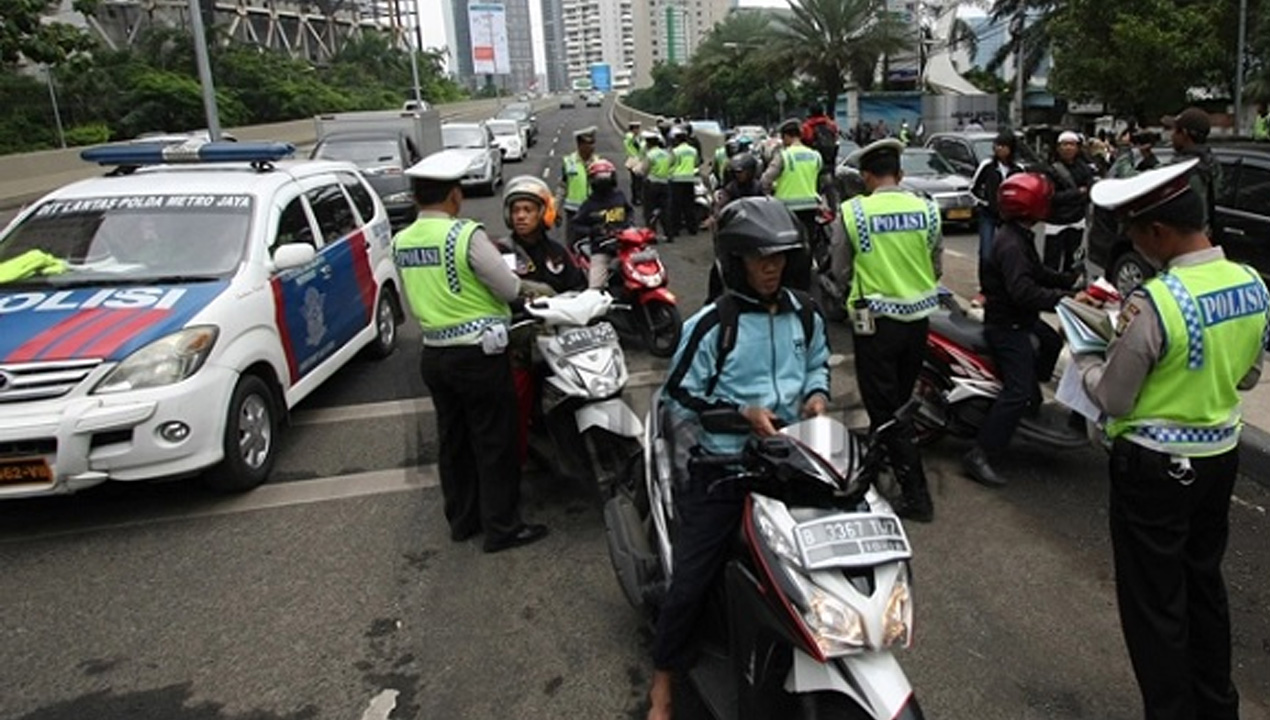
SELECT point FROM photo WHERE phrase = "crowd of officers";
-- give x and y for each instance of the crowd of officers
(1186, 341)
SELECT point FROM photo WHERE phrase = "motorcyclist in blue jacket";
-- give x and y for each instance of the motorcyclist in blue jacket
(773, 375)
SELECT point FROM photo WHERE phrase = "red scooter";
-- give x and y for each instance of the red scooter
(643, 305)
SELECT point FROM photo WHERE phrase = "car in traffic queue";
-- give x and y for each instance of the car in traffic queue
(567, 101)
(595, 99)
(964, 150)
(509, 136)
(485, 168)
(161, 320)
(523, 113)
(1241, 226)
(382, 160)
(927, 174)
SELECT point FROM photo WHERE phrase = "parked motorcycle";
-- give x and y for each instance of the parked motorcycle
(958, 384)
(817, 591)
(643, 305)
(588, 432)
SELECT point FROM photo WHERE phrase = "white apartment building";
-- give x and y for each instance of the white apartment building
(599, 31)
(669, 31)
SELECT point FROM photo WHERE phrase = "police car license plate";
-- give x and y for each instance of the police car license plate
(959, 214)
(852, 540)
(579, 339)
(25, 471)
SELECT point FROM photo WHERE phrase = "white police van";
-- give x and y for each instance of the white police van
(162, 319)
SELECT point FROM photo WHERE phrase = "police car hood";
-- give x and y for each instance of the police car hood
(95, 322)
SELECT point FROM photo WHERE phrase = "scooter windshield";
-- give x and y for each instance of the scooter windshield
(833, 442)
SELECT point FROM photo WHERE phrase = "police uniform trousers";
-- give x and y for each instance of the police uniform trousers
(887, 365)
(637, 187)
(683, 205)
(1168, 536)
(657, 207)
(475, 401)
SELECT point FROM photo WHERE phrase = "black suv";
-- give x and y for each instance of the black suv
(1242, 224)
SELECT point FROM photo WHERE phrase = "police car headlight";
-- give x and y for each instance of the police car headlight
(399, 197)
(165, 361)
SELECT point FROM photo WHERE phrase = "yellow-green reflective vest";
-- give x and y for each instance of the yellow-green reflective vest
(451, 304)
(796, 185)
(720, 162)
(1214, 320)
(686, 162)
(630, 142)
(1261, 128)
(892, 234)
(659, 165)
(577, 186)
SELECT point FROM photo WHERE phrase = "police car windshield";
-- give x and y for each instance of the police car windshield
(127, 239)
(455, 136)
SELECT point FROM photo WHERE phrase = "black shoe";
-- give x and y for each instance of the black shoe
(916, 512)
(461, 534)
(526, 535)
(976, 465)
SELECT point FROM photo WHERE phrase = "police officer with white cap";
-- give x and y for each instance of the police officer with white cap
(459, 289)
(574, 187)
(1186, 341)
(887, 248)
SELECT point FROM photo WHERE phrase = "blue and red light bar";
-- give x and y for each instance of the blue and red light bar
(142, 153)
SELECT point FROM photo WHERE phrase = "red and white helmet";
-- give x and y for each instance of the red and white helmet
(600, 166)
(1025, 196)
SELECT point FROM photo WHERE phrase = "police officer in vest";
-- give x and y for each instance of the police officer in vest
(574, 188)
(459, 287)
(685, 162)
(793, 175)
(633, 145)
(1186, 341)
(657, 169)
(887, 250)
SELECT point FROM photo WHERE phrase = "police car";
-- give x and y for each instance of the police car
(161, 320)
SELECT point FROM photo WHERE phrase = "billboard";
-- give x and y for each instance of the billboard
(487, 22)
(602, 77)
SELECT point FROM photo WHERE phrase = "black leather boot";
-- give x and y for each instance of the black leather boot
(906, 461)
(976, 465)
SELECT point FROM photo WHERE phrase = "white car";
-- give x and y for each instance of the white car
(161, 320)
(509, 136)
(485, 171)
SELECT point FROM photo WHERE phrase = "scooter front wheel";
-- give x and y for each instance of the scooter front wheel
(661, 328)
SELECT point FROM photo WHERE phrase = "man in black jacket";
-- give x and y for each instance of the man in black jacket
(1189, 134)
(1065, 225)
(1017, 287)
(987, 180)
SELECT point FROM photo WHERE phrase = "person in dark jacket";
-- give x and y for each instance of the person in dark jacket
(1018, 287)
(1190, 130)
(1065, 225)
(987, 180)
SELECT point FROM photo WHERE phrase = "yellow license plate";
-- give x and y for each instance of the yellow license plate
(25, 471)
(959, 214)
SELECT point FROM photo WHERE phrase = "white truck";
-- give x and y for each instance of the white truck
(382, 144)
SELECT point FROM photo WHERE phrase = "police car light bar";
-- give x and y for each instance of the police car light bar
(142, 153)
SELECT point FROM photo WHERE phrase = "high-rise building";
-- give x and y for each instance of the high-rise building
(599, 31)
(553, 40)
(520, 45)
(669, 31)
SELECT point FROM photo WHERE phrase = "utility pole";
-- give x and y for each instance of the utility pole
(204, 71)
(1239, 67)
(1017, 31)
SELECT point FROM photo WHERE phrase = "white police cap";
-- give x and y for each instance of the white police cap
(1133, 196)
(587, 133)
(885, 144)
(443, 166)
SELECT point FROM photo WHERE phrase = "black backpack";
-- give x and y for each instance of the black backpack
(825, 141)
(729, 317)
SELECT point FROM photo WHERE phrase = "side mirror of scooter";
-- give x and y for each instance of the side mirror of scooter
(725, 421)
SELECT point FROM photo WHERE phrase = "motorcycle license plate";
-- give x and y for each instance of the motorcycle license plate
(579, 339)
(851, 540)
(25, 471)
(959, 214)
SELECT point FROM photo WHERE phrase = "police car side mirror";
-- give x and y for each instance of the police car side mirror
(293, 255)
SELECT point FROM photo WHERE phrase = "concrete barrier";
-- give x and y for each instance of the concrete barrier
(624, 114)
(25, 177)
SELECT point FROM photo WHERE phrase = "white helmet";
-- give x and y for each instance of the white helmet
(528, 187)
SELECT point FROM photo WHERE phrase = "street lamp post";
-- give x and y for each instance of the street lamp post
(57, 114)
(204, 71)
(1239, 66)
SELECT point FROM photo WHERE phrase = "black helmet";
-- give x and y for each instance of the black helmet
(742, 162)
(757, 225)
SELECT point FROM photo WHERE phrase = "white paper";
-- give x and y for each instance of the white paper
(1072, 393)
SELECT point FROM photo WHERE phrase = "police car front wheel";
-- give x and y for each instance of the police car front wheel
(251, 429)
(385, 326)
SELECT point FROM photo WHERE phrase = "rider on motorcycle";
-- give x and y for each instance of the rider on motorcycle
(758, 240)
(604, 211)
(1017, 287)
(544, 267)
(744, 182)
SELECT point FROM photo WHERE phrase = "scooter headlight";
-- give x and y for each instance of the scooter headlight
(780, 542)
(837, 628)
(602, 386)
(897, 625)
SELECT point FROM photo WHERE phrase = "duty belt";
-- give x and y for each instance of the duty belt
(1166, 435)
(898, 308)
(454, 332)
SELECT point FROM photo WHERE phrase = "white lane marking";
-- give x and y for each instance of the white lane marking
(955, 253)
(546, 172)
(267, 497)
(381, 706)
(1244, 503)
(399, 408)
(551, 152)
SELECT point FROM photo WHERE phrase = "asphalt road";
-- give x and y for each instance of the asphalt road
(334, 592)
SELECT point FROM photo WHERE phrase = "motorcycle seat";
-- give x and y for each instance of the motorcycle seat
(959, 328)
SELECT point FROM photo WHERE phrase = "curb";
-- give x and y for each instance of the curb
(1254, 455)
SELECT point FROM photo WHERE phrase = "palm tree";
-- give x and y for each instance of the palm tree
(740, 37)
(831, 40)
(1035, 35)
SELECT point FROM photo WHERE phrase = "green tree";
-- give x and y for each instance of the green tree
(830, 40)
(1035, 35)
(25, 34)
(1257, 74)
(719, 79)
(1138, 56)
(662, 97)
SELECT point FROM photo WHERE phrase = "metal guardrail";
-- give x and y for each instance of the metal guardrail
(25, 177)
